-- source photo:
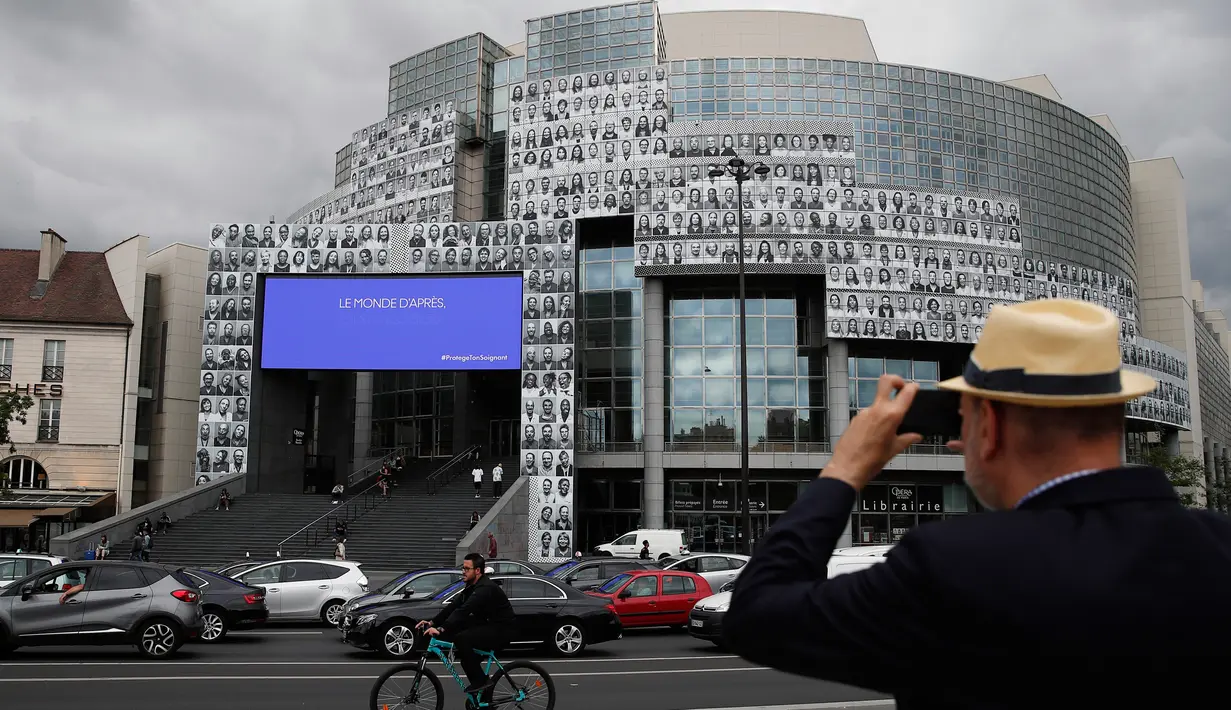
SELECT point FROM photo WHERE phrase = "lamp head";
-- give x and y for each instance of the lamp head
(717, 172)
(761, 169)
(736, 163)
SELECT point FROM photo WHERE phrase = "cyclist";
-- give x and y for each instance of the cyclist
(482, 619)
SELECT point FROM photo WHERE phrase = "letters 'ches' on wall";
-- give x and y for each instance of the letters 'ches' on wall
(570, 138)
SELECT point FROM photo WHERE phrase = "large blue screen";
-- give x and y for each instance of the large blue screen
(383, 323)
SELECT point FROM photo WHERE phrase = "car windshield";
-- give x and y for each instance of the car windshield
(614, 583)
(447, 591)
(389, 587)
(561, 569)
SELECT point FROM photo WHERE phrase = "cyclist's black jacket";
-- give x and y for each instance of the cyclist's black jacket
(480, 604)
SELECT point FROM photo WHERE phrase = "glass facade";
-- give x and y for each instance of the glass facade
(449, 71)
(866, 371)
(943, 131)
(415, 410)
(786, 377)
(610, 344)
(613, 37)
(505, 72)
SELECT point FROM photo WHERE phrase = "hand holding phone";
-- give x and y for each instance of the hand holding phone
(934, 413)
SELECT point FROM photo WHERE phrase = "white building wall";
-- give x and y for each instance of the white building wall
(766, 33)
(182, 270)
(1164, 277)
(91, 408)
(126, 261)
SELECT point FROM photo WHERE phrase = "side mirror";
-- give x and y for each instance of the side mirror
(407, 593)
(27, 591)
(625, 594)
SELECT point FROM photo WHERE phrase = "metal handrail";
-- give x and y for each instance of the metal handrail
(445, 474)
(358, 504)
(369, 471)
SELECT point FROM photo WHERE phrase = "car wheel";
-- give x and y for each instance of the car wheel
(663, 556)
(331, 613)
(213, 625)
(569, 639)
(158, 639)
(397, 640)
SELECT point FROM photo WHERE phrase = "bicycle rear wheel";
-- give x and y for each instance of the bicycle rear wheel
(406, 687)
(521, 684)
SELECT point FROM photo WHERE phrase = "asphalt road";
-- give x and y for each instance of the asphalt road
(301, 666)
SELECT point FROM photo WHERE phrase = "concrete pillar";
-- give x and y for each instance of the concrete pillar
(653, 414)
(363, 416)
(1207, 459)
(839, 383)
(1171, 441)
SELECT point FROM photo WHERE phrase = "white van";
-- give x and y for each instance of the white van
(663, 543)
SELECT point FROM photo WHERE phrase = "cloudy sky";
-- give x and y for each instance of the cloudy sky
(160, 116)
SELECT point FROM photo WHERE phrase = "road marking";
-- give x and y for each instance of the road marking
(819, 706)
(177, 678)
(278, 633)
(550, 661)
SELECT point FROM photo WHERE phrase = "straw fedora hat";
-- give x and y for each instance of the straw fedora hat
(1050, 353)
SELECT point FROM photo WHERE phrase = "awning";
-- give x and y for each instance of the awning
(54, 512)
(17, 517)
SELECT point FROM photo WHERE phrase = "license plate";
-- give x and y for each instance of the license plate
(697, 623)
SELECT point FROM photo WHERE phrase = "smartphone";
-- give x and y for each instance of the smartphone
(934, 413)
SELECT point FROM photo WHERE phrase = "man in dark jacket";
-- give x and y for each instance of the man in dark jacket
(1090, 585)
(481, 618)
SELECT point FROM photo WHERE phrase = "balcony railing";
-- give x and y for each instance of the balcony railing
(49, 433)
(53, 373)
(6, 373)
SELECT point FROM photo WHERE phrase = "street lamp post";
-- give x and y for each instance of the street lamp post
(742, 172)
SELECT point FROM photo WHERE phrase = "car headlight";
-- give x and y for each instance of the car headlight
(723, 606)
(365, 619)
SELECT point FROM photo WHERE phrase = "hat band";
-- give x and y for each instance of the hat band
(1018, 381)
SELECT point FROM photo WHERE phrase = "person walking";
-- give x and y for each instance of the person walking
(497, 481)
(339, 549)
(492, 549)
(1088, 585)
(138, 544)
(477, 475)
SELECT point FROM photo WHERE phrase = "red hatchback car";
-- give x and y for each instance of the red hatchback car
(653, 597)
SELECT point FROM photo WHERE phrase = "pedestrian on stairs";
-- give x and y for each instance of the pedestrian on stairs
(477, 474)
(339, 550)
(497, 481)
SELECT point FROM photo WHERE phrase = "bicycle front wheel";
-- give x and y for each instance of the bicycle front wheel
(406, 687)
(521, 684)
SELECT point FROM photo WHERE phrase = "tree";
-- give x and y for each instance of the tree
(13, 408)
(1186, 474)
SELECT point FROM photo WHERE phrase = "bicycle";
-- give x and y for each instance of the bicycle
(534, 689)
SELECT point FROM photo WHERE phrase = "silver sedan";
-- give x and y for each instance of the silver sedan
(717, 568)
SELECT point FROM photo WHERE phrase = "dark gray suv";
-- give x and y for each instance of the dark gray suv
(154, 607)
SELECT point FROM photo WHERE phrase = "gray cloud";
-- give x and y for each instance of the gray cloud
(159, 117)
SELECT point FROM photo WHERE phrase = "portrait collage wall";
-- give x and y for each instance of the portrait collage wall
(588, 145)
(543, 251)
(1169, 402)
(402, 169)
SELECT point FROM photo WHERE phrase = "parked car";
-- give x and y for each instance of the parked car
(663, 543)
(234, 568)
(718, 568)
(14, 566)
(590, 572)
(705, 619)
(307, 589)
(502, 566)
(853, 559)
(547, 613)
(416, 584)
(653, 597)
(227, 604)
(154, 607)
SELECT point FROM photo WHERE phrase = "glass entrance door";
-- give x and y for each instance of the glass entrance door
(502, 438)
